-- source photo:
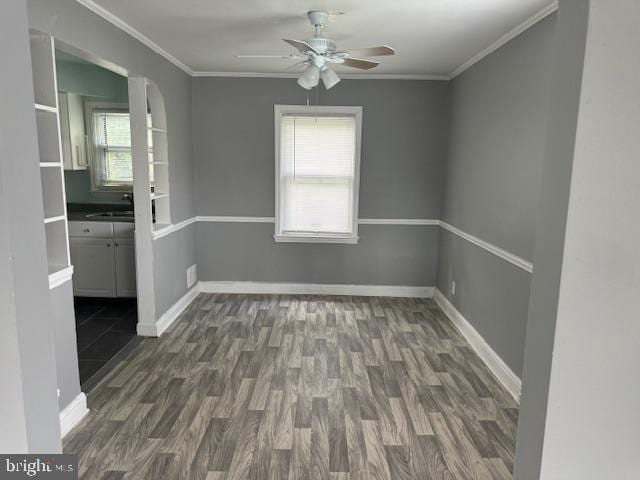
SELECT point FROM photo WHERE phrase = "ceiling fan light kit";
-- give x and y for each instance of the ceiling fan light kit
(329, 78)
(309, 77)
(317, 52)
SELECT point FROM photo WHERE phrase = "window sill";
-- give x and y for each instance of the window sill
(351, 240)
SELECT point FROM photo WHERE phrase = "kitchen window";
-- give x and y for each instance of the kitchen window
(111, 160)
(317, 151)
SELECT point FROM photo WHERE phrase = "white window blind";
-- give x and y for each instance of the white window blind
(113, 147)
(317, 175)
(112, 162)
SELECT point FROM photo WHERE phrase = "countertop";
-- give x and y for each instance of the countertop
(77, 212)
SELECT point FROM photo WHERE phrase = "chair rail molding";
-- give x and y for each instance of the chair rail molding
(519, 262)
(512, 258)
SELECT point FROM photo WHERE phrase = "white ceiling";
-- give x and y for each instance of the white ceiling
(431, 37)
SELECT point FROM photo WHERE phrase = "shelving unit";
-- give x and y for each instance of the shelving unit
(159, 158)
(50, 152)
(45, 108)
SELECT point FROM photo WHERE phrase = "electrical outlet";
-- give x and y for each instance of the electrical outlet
(192, 276)
(453, 288)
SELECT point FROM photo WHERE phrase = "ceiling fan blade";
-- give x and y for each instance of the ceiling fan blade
(268, 56)
(303, 47)
(297, 64)
(370, 51)
(359, 63)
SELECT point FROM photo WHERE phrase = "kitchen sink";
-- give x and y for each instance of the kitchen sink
(121, 214)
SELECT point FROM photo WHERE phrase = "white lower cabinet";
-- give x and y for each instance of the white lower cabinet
(104, 265)
(94, 274)
(125, 261)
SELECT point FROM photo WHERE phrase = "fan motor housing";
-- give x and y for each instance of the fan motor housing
(322, 45)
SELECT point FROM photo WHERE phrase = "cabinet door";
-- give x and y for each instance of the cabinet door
(74, 140)
(65, 134)
(125, 267)
(77, 132)
(93, 267)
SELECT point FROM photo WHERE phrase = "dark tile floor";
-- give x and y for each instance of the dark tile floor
(106, 329)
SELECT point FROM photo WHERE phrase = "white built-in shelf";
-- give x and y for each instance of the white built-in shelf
(52, 192)
(59, 274)
(50, 158)
(46, 108)
(53, 268)
(57, 244)
(158, 159)
(160, 226)
(58, 218)
(48, 137)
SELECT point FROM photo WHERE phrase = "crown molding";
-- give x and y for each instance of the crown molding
(122, 25)
(510, 35)
(118, 22)
(343, 76)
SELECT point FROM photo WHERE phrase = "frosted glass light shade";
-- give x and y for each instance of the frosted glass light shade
(329, 78)
(309, 78)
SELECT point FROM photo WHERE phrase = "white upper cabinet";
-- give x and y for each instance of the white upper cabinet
(72, 129)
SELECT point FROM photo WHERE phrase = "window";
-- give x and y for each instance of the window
(111, 160)
(317, 173)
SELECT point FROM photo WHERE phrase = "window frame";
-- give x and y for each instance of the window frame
(89, 108)
(311, 110)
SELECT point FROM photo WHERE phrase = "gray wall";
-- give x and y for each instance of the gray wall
(385, 255)
(28, 403)
(173, 254)
(64, 337)
(491, 293)
(494, 170)
(404, 145)
(582, 349)
(596, 351)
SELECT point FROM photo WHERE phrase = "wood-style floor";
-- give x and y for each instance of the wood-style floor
(300, 387)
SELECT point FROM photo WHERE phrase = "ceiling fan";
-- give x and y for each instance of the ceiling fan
(317, 53)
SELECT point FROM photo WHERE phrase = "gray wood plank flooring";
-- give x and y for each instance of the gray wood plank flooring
(300, 387)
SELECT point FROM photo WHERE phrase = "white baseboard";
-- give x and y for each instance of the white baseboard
(71, 415)
(170, 316)
(316, 289)
(503, 373)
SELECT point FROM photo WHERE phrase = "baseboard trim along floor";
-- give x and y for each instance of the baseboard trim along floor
(71, 415)
(316, 289)
(501, 370)
(169, 316)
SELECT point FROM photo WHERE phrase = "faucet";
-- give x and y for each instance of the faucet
(129, 198)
